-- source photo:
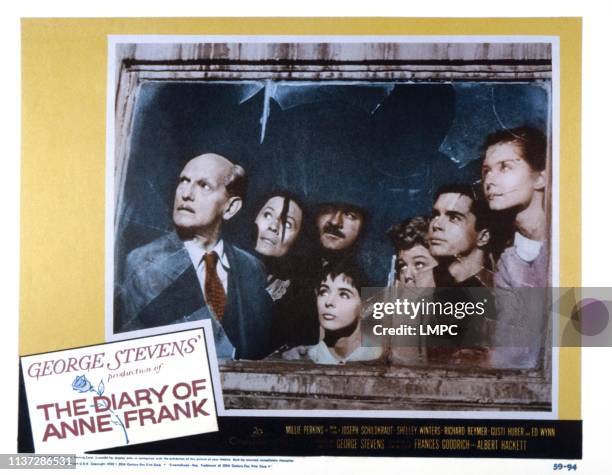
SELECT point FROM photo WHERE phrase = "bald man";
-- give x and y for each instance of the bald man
(193, 274)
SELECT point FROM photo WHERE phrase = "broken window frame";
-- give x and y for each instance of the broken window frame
(287, 385)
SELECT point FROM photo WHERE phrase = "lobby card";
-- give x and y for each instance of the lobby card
(371, 123)
(122, 393)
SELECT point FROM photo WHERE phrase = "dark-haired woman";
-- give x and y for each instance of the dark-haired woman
(278, 243)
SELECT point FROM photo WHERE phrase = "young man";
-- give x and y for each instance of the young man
(459, 237)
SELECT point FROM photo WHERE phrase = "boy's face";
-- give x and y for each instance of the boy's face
(338, 303)
(508, 180)
(452, 229)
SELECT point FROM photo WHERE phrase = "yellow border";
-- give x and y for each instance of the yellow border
(64, 71)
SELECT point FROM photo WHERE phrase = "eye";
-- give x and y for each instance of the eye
(322, 291)
(205, 186)
(325, 210)
(267, 215)
(505, 166)
(345, 295)
(288, 225)
(351, 216)
(183, 179)
(419, 265)
(453, 218)
(485, 171)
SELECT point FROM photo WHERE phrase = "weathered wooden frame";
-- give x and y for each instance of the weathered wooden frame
(290, 385)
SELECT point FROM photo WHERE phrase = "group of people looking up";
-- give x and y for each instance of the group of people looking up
(278, 300)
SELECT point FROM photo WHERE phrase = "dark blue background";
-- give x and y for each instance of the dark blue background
(383, 146)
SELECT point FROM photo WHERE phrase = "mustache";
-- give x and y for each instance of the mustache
(332, 229)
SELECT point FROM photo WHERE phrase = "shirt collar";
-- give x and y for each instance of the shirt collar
(527, 249)
(197, 253)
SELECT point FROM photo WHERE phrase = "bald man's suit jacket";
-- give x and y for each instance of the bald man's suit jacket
(161, 288)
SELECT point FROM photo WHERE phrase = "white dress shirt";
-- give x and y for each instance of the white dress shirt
(196, 254)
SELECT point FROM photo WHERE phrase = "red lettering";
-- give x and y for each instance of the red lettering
(197, 385)
(177, 395)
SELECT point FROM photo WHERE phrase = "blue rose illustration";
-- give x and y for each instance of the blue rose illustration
(81, 384)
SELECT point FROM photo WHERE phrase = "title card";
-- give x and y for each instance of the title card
(121, 393)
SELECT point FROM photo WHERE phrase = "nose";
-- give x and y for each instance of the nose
(273, 225)
(336, 219)
(187, 192)
(408, 273)
(489, 181)
(436, 223)
(329, 301)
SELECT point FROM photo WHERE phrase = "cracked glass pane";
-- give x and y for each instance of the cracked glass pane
(366, 96)
(481, 109)
(384, 146)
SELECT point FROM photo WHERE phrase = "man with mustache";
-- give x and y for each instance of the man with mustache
(339, 226)
(193, 273)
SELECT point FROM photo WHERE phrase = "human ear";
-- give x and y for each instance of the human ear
(483, 237)
(234, 203)
(541, 179)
